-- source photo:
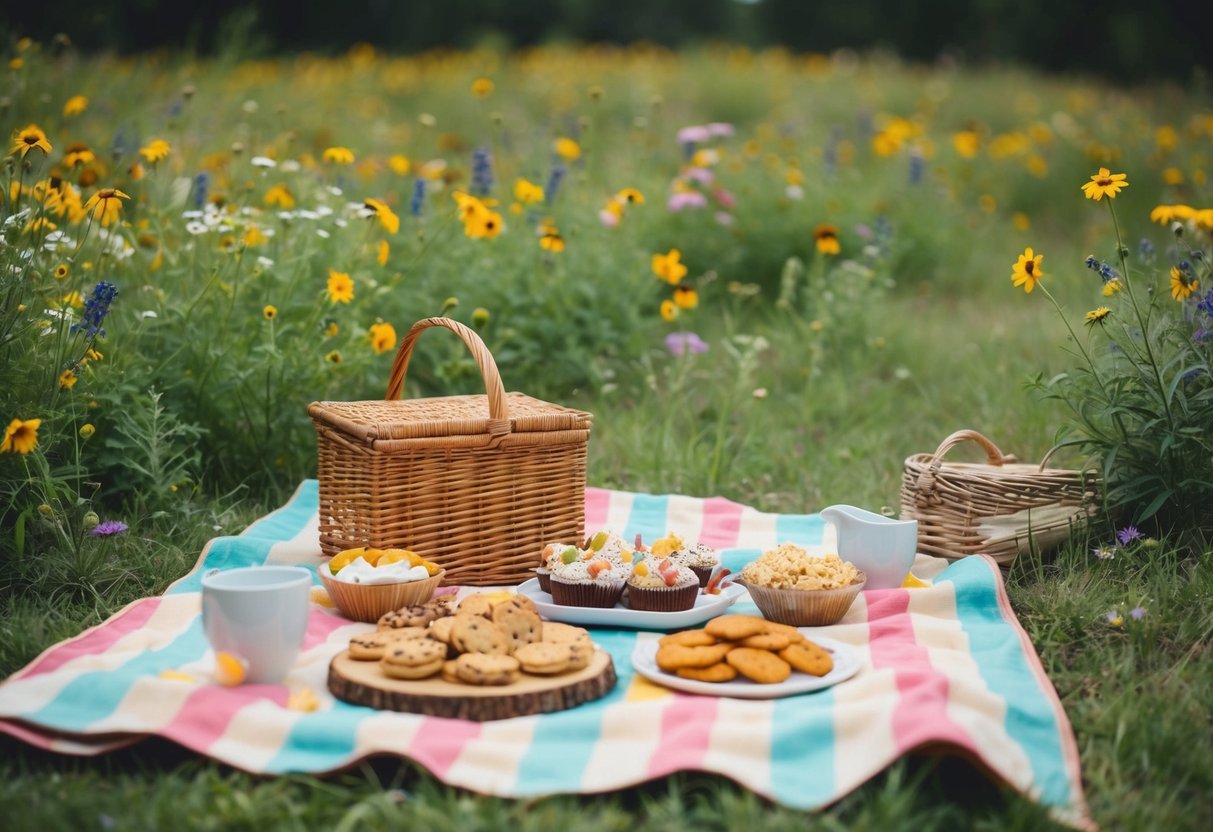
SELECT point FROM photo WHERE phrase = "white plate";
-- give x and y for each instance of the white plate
(846, 665)
(706, 606)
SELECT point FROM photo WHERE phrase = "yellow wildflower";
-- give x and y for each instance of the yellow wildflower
(75, 105)
(566, 148)
(685, 297)
(669, 267)
(1182, 284)
(383, 251)
(28, 139)
(280, 196)
(68, 379)
(387, 217)
(1104, 184)
(527, 192)
(270, 312)
(825, 237)
(668, 310)
(383, 337)
(21, 436)
(340, 287)
(1027, 270)
(482, 87)
(399, 164)
(338, 155)
(155, 150)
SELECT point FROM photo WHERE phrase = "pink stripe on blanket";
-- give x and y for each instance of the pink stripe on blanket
(721, 522)
(439, 742)
(320, 625)
(921, 715)
(97, 640)
(204, 716)
(597, 506)
(686, 732)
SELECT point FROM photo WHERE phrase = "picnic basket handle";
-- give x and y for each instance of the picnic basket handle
(499, 409)
(994, 456)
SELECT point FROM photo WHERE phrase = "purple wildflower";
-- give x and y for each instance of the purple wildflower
(95, 310)
(1137, 613)
(685, 199)
(694, 134)
(109, 528)
(1128, 534)
(680, 343)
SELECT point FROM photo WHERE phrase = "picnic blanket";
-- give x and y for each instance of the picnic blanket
(945, 668)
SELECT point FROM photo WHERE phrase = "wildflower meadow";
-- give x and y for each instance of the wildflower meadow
(770, 276)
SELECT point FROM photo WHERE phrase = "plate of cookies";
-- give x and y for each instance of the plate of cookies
(482, 659)
(745, 657)
(706, 606)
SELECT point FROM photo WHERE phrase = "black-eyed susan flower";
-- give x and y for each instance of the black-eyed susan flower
(78, 154)
(340, 287)
(669, 311)
(333, 357)
(1166, 214)
(825, 237)
(685, 296)
(550, 240)
(669, 266)
(331, 329)
(966, 143)
(104, 205)
(1097, 316)
(31, 137)
(1182, 284)
(631, 196)
(386, 216)
(155, 150)
(269, 312)
(1112, 287)
(383, 337)
(21, 436)
(1027, 270)
(74, 106)
(527, 192)
(62, 271)
(482, 87)
(567, 149)
(338, 155)
(1104, 183)
(68, 379)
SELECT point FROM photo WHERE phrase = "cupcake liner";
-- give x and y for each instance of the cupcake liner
(662, 598)
(368, 602)
(703, 573)
(545, 579)
(806, 607)
(585, 594)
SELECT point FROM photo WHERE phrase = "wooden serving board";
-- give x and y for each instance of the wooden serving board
(363, 683)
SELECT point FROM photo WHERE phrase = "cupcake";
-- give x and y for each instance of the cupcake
(662, 586)
(701, 559)
(612, 548)
(551, 555)
(586, 583)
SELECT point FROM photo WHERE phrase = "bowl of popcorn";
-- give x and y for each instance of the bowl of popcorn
(791, 586)
(364, 583)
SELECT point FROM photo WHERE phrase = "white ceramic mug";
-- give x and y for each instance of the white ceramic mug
(258, 614)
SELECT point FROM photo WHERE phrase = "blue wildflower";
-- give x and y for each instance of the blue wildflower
(1137, 613)
(482, 171)
(418, 200)
(1106, 272)
(553, 183)
(201, 187)
(1206, 305)
(1128, 534)
(96, 308)
(1092, 263)
(1145, 249)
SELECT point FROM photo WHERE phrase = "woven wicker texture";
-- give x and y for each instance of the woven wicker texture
(477, 484)
(999, 508)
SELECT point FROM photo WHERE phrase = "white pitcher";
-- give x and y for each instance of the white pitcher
(882, 547)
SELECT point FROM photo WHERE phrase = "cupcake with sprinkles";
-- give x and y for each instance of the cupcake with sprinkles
(548, 558)
(701, 559)
(580, 582)
(661, 585)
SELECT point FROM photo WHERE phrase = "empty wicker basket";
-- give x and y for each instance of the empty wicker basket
(477, 484)
(998, 508)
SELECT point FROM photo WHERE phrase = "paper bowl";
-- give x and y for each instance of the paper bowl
(805, 607)
(369, 602)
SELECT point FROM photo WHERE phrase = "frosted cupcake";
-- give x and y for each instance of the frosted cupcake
(586, 583)
(662, 586)
(548, 558)
(612, 548)
(701, 559)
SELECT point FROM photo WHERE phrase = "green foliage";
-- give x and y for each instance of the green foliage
(1141, 399)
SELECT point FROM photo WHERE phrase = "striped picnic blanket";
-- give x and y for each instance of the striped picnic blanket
(944, 667)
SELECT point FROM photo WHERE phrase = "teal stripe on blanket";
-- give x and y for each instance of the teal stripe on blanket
(564, 741)
(320, 741)
(803, 743)
(95, 694)
(996, 648)
(648, 517)
(801, 529)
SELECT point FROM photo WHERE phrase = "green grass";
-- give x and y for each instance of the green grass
(930, 339)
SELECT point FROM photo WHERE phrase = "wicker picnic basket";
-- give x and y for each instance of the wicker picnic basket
(998, 508)
(477, 484)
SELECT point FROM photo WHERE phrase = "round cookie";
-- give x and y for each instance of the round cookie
(760, 666)
(766, 641)
(448, 672)
(475, 605)
(485, 669)
(794, 635)
(417, 658)
(520, 624)
(675, 656)
(688, 638)
(808, 657)
(545, 659)
(476, 634)
(721, 672)
(580, 653)
(372, 646)
(441, 629)
(560, 632)
(735, 627)
(416, 615)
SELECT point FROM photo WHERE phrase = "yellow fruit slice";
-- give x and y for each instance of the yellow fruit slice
(372, 556)
(343, 559)
(229, 670)
(397, 555)
(912, 582)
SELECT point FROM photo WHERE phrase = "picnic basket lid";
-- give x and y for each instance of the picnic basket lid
(495, 412)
